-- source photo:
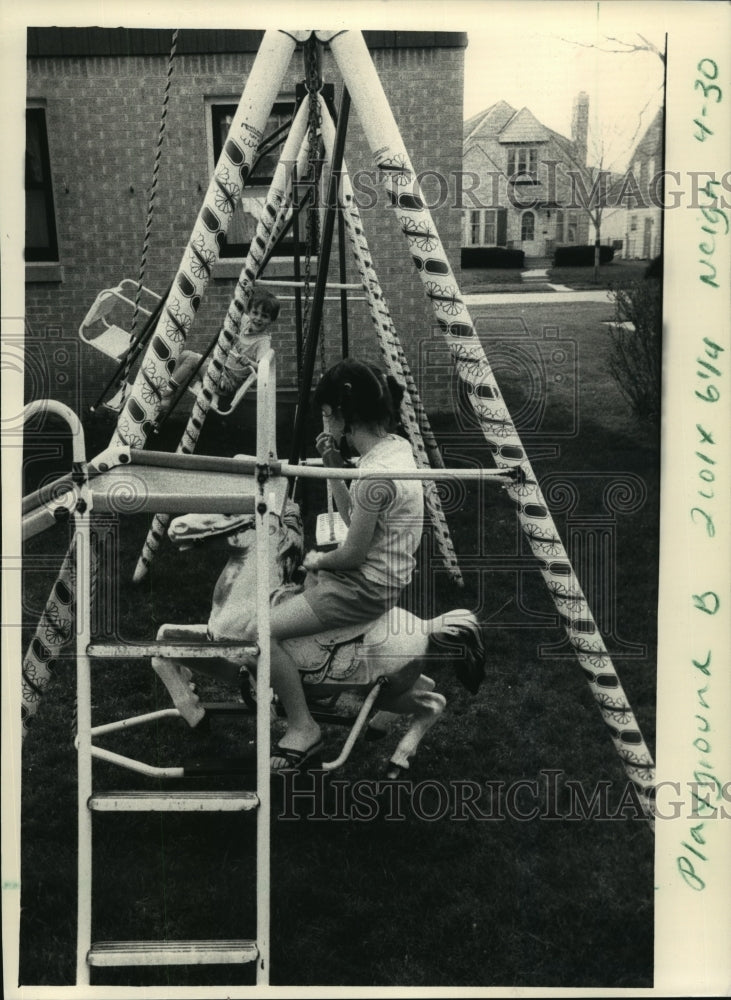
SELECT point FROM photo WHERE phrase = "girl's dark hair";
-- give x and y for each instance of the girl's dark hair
(362, 393)
(267, 301)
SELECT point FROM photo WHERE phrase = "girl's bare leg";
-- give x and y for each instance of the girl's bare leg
(290, 619)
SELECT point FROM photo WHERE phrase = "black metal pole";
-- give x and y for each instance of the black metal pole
(310, 350)
(344, 339)
(297, 275)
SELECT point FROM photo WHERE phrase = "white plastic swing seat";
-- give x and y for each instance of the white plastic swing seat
(98, 328)
(238, 396)
(330, 529)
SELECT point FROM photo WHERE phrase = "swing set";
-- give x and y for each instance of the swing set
(311, 129)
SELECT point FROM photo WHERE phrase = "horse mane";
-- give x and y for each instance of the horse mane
(290, 546)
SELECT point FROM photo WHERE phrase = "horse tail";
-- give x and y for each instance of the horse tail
(459, 635)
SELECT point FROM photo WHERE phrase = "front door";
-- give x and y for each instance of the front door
(529, 244)
(647, 239)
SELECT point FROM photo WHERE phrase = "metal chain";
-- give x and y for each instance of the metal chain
(313, 84)
(153, 186)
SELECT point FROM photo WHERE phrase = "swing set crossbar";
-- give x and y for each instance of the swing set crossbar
(248, 466)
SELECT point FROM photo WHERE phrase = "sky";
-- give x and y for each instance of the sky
(540, 56)
(522, 51)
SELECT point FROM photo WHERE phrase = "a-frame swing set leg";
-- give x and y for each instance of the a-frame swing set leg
(392, 161)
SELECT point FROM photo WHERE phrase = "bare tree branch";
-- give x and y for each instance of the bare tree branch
(626, 48)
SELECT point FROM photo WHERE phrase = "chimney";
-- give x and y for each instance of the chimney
(580, 125)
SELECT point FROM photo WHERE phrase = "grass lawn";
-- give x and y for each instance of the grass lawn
(423, 895)
(612, 275)
(492, 279)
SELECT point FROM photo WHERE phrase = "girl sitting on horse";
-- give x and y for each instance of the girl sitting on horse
(364, 577)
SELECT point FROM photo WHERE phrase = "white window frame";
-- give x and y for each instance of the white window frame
(250, 192)
(524, 163)
(486, 217)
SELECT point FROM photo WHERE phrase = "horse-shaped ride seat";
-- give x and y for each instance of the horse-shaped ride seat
(381, 660)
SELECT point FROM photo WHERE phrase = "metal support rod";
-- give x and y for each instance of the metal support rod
(360, 721)
(297, 277)
(344, 336)
(310, 350)
(281, 283)
(344, 333)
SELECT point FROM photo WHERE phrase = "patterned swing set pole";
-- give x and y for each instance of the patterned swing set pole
(137, 418)
(271, 224)
(393, 163)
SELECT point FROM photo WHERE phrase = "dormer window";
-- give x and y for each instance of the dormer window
(523, 164)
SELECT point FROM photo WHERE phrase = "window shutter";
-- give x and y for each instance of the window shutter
(502, 227)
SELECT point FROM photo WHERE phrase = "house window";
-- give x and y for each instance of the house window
(41, 242)
(242, 226)
(523, 163)
(559, 226)
(528, 226)
(572, 227)
(489, 236)
(474, 235)
(482, 228)
(633, 223)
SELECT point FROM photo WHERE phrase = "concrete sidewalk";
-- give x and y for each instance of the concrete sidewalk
(558, 294)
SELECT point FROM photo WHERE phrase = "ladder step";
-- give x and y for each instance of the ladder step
(118, 953)
(174, 650)
(174, 801)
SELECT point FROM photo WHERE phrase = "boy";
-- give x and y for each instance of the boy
(253, 341)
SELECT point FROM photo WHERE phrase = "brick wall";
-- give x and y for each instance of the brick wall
(103, 117)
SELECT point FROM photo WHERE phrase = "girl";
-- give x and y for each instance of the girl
(364, 578)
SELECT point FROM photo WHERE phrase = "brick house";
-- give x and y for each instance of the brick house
(519, 195)
(94, 99)
(632, 222)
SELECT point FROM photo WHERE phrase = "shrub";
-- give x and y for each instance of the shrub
(636, 352)
(498, 257)
(654, 268)
(581, 256)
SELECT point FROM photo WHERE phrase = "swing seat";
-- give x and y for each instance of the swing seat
(102, 328)
(330, 529)
(236, 399)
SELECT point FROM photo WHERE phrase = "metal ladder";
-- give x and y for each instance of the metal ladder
(145, 953)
